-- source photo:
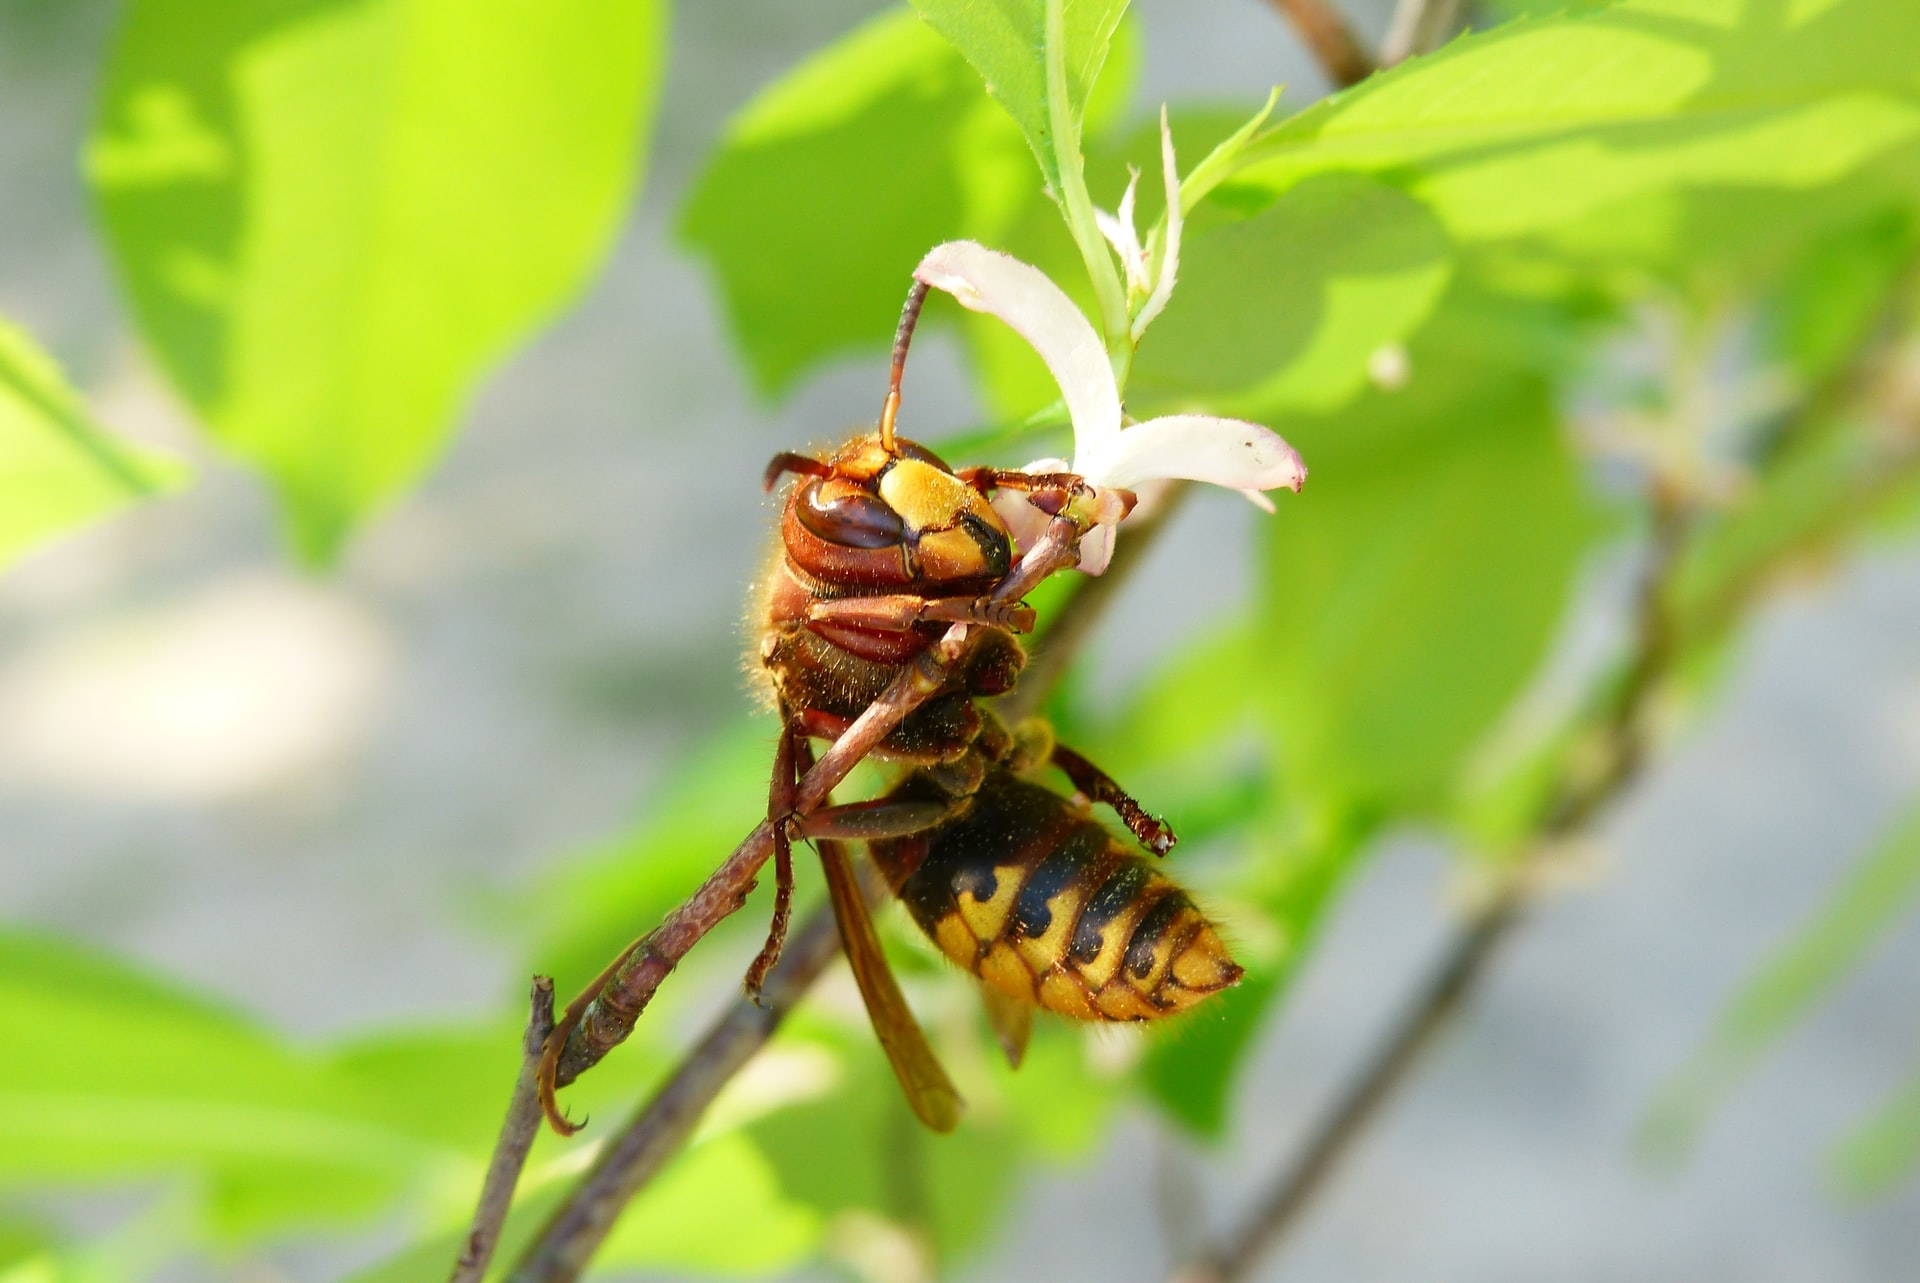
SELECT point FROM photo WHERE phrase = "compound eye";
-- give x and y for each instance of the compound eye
(848, 516)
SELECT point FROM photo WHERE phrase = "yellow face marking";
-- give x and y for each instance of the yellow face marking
(949, 554)
(925, 497)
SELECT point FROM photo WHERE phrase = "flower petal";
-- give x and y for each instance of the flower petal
(1096, 549)
(1022, 296)
(1225, 452)
(1024, 522)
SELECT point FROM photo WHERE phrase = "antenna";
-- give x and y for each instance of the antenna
(902, 337)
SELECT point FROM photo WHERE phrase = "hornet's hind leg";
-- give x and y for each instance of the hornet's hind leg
(1153, 833)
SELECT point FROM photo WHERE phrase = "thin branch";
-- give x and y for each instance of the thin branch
(1465, 960)
(1328, 37)
(517, 1135)
(570, 1238)
(1877, 379)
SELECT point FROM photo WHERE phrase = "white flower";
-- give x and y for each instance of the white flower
(1226, 452)
(1147, 294)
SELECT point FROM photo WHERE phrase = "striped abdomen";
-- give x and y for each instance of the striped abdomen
(1041, 902)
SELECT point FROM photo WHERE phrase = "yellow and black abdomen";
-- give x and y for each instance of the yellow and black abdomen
(1043, 903)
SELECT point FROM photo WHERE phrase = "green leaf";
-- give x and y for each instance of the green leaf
(108, 1075)
(834, 181)
(1416, 583)
(1544, 121)
(1005, 41)
(717, 1209)
(1868, 901)
(1282, 312)
(333, 219)
(58, 469)
(858, 1148)
(692, 1217)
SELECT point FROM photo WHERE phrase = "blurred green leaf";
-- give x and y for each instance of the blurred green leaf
(830, 185)
(1192, 1067)
(1283, 311)
(59, 469)
(1416, 583)
(107, 1074)
(1005, 41)
(1409, 594)
(859, 1148)
(1884, 1150)
(333, 218)
(1546, 120)
(836, 178)
(597, 903)
(694, 1216)
(1839, 288)
(1869, 900)
(717, 1209)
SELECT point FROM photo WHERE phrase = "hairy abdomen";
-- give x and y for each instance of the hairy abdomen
(1041, 902)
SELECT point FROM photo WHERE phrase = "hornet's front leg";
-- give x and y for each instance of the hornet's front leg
(780, 795)
(898, 612)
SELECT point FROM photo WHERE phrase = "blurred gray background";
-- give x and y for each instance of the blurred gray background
(207, 757)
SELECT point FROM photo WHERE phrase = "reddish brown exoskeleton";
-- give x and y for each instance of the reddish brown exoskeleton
(882, 546)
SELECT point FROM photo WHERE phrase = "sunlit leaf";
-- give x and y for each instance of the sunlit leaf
(333, 218)
(58, 469)
(835, 179)
(1285, 310)
(1546, 120)
(107, 1075)
(719, 1209)
(1005, 41)
(716, 1210)
(1872, 897)
(860, 1149)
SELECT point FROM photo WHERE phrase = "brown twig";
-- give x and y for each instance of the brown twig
(517, 1135)
(1465, 960)
(569, 1239)
(575, 1231)
(1328, 37)
(1876, 378)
